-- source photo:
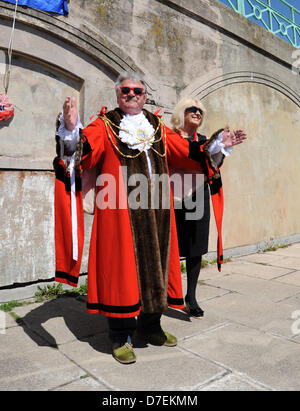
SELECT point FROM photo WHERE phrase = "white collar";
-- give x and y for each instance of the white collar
(136, 132)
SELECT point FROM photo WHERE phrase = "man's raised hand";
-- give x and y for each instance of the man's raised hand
(70, 113)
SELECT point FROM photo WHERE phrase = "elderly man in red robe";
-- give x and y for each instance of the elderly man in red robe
(134, 267)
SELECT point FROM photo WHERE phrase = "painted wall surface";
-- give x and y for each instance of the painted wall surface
(242, 73)
(261, 191)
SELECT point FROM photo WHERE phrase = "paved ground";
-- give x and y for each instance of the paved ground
(249, 338)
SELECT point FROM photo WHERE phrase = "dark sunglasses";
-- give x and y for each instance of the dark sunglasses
(137, 90)
(193, 109)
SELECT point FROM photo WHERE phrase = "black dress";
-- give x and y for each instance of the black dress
(193, 234)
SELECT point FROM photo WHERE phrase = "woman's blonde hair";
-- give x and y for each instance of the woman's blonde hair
(177, 119)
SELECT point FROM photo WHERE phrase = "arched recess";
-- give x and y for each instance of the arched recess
(93, 44)
(51, 60)
(203, 87)
(261, 178)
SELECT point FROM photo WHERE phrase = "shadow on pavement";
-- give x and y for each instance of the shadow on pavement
(84, 326)
(91, 328)
(177, 314)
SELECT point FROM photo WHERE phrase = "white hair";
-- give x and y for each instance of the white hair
(130, 76)
(177, 119)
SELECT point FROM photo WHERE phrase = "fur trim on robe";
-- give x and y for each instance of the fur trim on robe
(150, 227)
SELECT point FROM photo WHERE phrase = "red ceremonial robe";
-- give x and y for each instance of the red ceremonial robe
(122, 268)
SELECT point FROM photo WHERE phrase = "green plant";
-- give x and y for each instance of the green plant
(274, 247)
(49, 291)
(182, 267)
(204, 263)
(15, 316)
(82, 289)
(10, 305)
(56, 290)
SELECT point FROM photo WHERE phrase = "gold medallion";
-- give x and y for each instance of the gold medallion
(142, 135)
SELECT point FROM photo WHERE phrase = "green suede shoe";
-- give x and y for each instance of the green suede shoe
(123, 353)
(161, 338)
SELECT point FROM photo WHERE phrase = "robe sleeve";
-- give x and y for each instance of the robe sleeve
(68, 206)
(182, 153)
(179, 152)
(93, 147)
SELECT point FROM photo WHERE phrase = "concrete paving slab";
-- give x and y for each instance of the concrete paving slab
(180, 324)
(293, 278)
(253, 269)
(297, 338)
(58, 330)
(83, 384)
(245, 341)
(268, 290)
(290, 251)
(271, 258)
(92, 348)
(255, 313)
(6, 321)
(31, 372)
(211, 271)
(234, 382)
(204, 291)
(294, 301)
(61, 320)
(157, 368)
(38, 368)
(15, 341)
(268, 360)
(27, 308)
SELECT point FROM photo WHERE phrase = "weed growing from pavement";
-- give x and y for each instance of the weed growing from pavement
(56, 290)
(6, 307)
(44, 293)
(274, 247)
(204, 263)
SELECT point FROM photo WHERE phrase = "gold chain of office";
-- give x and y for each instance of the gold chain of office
(109, 125)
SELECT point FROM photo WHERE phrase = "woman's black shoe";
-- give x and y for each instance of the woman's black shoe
(194, 312)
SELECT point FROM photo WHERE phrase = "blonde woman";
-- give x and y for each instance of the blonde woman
(188, 117)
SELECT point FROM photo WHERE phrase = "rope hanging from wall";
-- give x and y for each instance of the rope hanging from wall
(6, 107)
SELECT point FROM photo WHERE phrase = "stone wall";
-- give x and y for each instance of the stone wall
(200, 47)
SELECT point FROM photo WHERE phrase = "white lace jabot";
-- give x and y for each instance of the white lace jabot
(136, 132)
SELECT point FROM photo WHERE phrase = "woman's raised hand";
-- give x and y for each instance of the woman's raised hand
(232, 138)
